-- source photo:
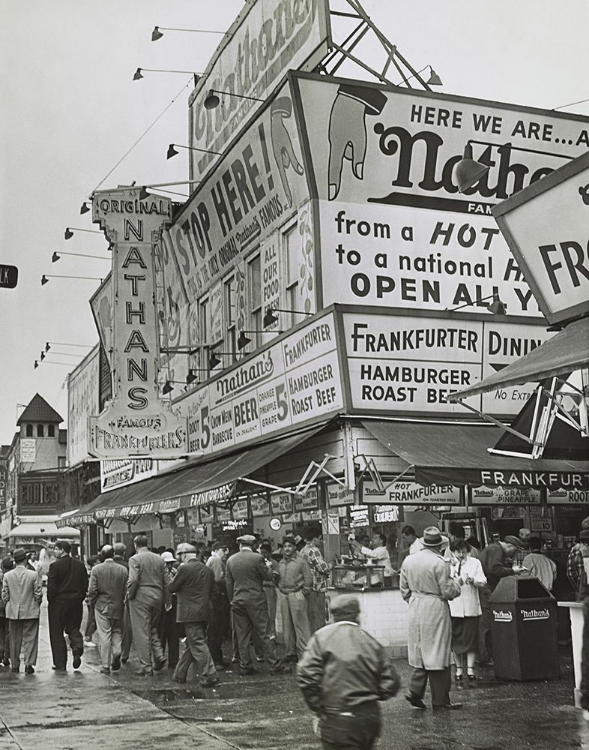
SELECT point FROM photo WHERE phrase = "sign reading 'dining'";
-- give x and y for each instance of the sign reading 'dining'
(135, 423)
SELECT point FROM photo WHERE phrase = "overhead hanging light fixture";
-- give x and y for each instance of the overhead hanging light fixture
(69, 232)
(173, 146)
(212, 99)
(56, 256)
(469, 171)
(143, 194)
(269, 318)
(138, 75)
(497, 307)
(84, 208)
(434, 78)
(157, 32)
(45, 278)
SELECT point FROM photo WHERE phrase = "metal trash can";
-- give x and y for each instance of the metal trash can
(523, 630)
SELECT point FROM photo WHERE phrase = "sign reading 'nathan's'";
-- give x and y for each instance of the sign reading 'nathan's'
(135, 422)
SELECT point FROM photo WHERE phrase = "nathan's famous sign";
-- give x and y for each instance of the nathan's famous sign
(288, 384)
(135, 423)
(395, 230)
(268, 38)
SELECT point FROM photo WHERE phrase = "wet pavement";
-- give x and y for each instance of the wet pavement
(85, 709)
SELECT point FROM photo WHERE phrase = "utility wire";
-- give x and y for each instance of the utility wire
(562, 106)
(143, 135)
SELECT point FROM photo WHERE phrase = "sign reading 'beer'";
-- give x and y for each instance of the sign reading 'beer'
(135, 422)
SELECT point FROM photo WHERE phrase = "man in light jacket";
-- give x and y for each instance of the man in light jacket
(106, 593)
(22, 593)
(147, 589)
(295, 582)
(426, 584)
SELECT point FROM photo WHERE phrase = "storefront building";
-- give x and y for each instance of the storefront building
(318, 298)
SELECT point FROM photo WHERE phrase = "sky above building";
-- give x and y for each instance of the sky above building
(74, 119)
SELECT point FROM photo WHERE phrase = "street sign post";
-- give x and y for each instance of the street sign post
(8, 276)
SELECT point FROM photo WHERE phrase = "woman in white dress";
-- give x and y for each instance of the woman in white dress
(465, 610)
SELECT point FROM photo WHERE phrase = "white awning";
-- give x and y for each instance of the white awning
(43, 530)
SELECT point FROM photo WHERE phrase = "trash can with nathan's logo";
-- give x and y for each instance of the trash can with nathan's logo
(525, 645)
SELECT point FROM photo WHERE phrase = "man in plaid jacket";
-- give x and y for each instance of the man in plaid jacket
(320, 570)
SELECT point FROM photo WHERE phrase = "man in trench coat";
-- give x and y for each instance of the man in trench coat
(427, 586)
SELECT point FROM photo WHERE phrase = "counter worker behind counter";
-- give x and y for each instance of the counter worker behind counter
(377, 553)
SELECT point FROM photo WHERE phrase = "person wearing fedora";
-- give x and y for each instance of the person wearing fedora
(426, 585)
(22, 592)
(343, 675)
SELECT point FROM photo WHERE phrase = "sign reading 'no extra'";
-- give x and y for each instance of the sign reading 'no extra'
(8, 276)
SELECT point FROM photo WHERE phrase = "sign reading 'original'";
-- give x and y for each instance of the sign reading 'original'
(136, 423)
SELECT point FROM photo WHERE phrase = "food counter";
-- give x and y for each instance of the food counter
(384, 614)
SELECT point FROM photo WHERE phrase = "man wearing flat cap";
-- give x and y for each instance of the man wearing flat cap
(295, 581)
(343, 674)
(426, 585)
(246, 572)
(192, 585)
(496, 560)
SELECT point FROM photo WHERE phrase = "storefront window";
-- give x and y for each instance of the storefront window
(255, 299)
(291, 264)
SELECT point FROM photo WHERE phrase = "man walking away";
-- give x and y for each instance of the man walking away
(120, 557)
(147, 589)
(106, 593)
(294, 581)
(426, 584)
(67, 583)
(246, 572)
(218, 627)
(320, 571)
(192, 585)
(7, 564)
(343, 674)
(22, 592)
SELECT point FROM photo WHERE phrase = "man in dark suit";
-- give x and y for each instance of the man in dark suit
(246, 572)
(67, 583)
(192, 585)
(106, 593)
(147, 589)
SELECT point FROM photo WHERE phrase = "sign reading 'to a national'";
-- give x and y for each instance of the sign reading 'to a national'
(547, 228)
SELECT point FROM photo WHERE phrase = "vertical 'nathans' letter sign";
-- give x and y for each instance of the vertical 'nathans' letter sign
(136, 422)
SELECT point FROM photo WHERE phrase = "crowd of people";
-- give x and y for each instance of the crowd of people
(178, 607)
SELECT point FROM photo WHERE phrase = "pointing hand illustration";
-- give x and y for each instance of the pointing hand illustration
(281, 143)
(347, 131)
